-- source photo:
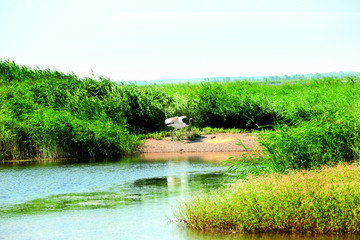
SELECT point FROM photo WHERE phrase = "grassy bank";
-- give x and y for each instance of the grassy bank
(309, 124)
(47, 113)
(319, 201)
(250, 105)
(302, 182)
(312, 123)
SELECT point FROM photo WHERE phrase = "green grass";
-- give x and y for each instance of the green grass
(252, 105)
(46, 113)
(302, 125)
(325, 140)
(326, 200)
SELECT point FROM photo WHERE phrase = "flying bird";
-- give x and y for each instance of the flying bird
(177, 123)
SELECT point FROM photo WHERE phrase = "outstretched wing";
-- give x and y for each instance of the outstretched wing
(170, 120)
(182, 118)
(174, 119)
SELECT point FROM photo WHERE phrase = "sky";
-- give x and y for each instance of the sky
(128, 40)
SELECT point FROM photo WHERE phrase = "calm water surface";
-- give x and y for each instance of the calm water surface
(129, 198)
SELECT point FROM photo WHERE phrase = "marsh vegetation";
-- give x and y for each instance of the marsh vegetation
(326, 200)
(309, 130)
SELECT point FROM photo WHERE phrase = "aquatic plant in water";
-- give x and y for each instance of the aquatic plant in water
(326, 200)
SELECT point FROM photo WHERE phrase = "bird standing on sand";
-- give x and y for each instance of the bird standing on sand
(177, 123)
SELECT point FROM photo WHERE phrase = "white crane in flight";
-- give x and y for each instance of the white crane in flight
(177, 123)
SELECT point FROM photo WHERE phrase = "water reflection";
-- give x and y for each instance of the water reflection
(126, 178)
(190, 156)
(129, 198)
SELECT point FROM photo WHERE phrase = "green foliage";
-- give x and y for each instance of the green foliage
(143, 108)
(313, 123)
(48, 113)
(51, 114)
(252, 105)
(321, 141)
(318, 201)
(218, 106)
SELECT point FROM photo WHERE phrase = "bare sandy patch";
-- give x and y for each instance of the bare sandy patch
(219, 142)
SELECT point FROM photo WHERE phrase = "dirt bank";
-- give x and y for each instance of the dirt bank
(219, 142)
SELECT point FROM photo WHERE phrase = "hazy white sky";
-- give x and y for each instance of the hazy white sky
(161, 39)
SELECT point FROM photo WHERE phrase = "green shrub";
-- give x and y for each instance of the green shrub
(321, 141)
(143, 108)
(27, 95)
(219, 107)
(51, 114)
(51, 134)
(318, 201)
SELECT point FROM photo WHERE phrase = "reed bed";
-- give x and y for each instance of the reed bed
(45, 114)
(325, 140)
(310, 125)
(49, 114)
(326, 200)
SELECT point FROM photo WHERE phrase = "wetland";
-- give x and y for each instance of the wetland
(309, 129)
(129, 198)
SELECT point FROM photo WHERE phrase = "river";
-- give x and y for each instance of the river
(131, 198)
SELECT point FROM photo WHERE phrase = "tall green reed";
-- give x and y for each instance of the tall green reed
(325, 140)
(317, 201)
(27, 93)
(51, 114)
(218, 106)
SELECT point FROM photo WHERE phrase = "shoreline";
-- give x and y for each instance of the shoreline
(217, 146)
(189, 156)
(218, 142)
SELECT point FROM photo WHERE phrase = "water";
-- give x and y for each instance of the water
(130, 198)
(121, 199)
